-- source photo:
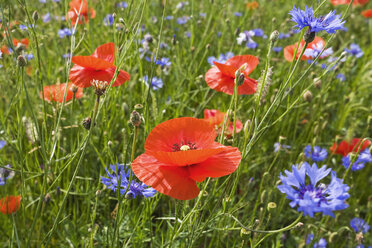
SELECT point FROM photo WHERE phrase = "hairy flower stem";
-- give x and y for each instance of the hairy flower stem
(235, 96)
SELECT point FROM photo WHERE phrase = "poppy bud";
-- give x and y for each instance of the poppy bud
(109, 143)
(274, 36)
(227, 20)
(113, 15)
(273, 20)
(308, 96)
(317, 83)
(309, 36)
(35, 16)
(21, 61)
(121, 20)
(98, 192)
(135, 118)
(208, 46)
(87, 122)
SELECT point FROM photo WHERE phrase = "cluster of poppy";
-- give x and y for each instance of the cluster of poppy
(10, 204)
(79, 12)
(366, 13)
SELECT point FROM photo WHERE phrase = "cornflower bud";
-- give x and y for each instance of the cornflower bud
(309, 36)
(21, 61)
(135, 118)
(87, 122)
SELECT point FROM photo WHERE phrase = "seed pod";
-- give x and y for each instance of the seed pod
(317, 83)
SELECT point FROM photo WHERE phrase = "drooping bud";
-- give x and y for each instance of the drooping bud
(308, 96)
(135, 118)
(265, 87)
(21, 61)
(274, 36)
(87, 122)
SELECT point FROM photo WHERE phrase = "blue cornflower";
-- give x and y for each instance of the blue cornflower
(202, 15)
(188, 34)
(312, 198)
(322, 243)
(317, 153)
(278, 146)
(246, 36)
(156, 83)
(163, 62)
(238, 14)
(316, 49)
(122, 5)
(284, 36)
(66, 56)
(181, 5)
(42, 1)
(341, 77)
(182, 20)
(355, 50)
(329, 23)
(108, 20)
(221, 59)
(135, 188)
(359, 225)
(29, 56)
(2, 143)
(168, 18)
(46, 18)
(5, 175)
(65, 32)
(363, 158)
(277, 49)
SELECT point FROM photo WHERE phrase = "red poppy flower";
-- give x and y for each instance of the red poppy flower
(344, 148)
(98, 66)
(56, 92)
(181, 152)
(367, 13)
(4, 50)
(289, 50)
(221, 76)
(24, 42)
(356, 2)
(216, 119)
(85, 12)
(10, 204)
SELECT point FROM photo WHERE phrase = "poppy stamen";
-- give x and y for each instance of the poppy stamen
(184, 146)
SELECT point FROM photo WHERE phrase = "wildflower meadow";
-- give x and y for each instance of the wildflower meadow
(199, 123)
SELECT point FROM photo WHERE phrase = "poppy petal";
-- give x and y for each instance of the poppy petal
(249, 87)
(238, 61)
(10, 204)
(219, 165)
(91, 62)
(183, 158)
(214, 117)
(225, 69)
(122, 77)
(105, 52)
(169, 180)
(216, 80)
(83, 77)
(180, 131)
(367, 13)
